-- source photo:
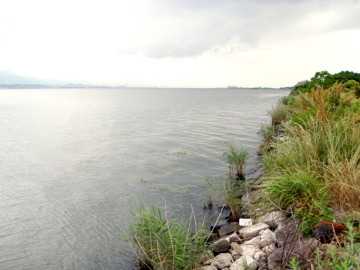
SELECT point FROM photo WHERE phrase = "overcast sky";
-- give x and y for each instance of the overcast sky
(179, 43)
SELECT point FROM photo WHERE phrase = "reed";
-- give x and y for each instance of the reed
(236, 157)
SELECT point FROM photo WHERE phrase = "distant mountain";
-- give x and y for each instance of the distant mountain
(10, 78)
(7, 77)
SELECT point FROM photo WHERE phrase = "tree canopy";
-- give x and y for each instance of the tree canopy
(323, 79)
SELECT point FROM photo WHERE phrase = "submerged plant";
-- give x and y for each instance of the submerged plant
(236, 157)
(233, 191)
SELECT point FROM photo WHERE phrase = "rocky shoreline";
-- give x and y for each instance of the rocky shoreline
(266, 242)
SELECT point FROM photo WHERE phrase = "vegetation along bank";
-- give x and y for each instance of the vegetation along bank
(301, 214)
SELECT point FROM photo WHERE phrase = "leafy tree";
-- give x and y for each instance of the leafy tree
(321, 79)
(345, 76)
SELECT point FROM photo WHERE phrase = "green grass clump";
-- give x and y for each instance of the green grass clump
(300, 190)
(236, 157)
(164, 244)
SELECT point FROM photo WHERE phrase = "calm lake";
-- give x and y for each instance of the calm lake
(74, 161)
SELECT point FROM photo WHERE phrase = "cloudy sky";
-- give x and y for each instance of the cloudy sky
(179, 43)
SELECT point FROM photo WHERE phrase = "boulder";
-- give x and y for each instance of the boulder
(254, 241)
(254, 252)
(267, 237)
(233, 238)
(272, 219)
(221, 245)
(252, 231)
(229, 228)
(245, 262)
(222, 260)
(236, 250)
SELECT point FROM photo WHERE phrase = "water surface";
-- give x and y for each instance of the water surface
(73, 161)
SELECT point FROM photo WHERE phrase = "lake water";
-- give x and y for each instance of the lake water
(73, 161)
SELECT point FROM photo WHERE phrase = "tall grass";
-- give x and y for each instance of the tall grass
(329, 151)
(320, 160)
(164, 244)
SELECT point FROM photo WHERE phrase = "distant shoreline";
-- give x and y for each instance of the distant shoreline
(80, 86)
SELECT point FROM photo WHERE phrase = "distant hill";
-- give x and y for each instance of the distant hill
(7, 77)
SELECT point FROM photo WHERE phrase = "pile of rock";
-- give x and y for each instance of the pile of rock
(268, 244)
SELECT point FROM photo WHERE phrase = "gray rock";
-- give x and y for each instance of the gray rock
(233, 238)
(221, 245)
(252, 231)
(229, 228)
(209, 267)
(267, 237)
(245, 262)
(222, 260)
(254, 241)
(272, 219)
(269, 249)
(236, 250)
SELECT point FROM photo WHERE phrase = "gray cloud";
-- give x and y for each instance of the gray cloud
(185, 28)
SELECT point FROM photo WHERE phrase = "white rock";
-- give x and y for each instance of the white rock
(254, 252)
(245, 222)
(245, 262)
(267, 237)
(252, 231)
